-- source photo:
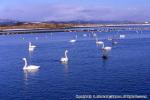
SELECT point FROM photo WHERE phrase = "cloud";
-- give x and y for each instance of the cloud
(49, 12)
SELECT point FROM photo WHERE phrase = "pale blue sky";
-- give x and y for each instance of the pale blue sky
(64, 10)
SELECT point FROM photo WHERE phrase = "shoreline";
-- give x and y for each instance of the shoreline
(43, 28)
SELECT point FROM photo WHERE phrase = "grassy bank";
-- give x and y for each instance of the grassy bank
(36, 26)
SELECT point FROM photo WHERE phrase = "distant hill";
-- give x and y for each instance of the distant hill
(93, 22)
(8, 22)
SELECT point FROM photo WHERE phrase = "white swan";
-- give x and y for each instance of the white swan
(122, 36)
(64, 59)
(98, 42)
(29, 67)
(104, 48)
(74, 40)
(31, 47)
(94, 34)
(114, 42)
(84, 35)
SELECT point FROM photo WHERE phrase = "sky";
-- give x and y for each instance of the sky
(69, 10)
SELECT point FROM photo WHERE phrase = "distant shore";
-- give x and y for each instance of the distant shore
(65, 27)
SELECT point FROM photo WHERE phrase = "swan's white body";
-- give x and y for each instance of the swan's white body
(98, 42)
(107, 48)
(114, 42)
(65, 59)
(122, 36)
(73, 40)
(31, 47)
(85, 35)
(29, 67)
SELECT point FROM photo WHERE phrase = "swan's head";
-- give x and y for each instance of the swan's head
(66, 51)
(23, 58)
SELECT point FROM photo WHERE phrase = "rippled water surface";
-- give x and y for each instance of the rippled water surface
(126, 71)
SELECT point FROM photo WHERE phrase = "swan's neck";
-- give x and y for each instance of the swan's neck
(25, 63)
(76, 37)
(66, 55)
(29, 44)
(103, 45)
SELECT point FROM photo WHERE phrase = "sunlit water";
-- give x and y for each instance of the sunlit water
(126, 71)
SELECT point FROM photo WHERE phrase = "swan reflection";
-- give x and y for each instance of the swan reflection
(65, 64)
(28, 73)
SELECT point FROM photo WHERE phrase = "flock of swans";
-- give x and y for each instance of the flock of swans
(26, 66)
(105, 50)
(34, 67)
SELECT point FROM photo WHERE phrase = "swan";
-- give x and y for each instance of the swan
(105, 48)
(84, 35)
(74, 40)
(98, 42)
(31, 47)
(114, 42)
(64, 59)
(122, 36)
(29, 67)
(94, 34)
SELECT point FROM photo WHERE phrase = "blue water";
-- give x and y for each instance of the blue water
(126, 71)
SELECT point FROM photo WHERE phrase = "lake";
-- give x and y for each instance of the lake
(125, 72)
